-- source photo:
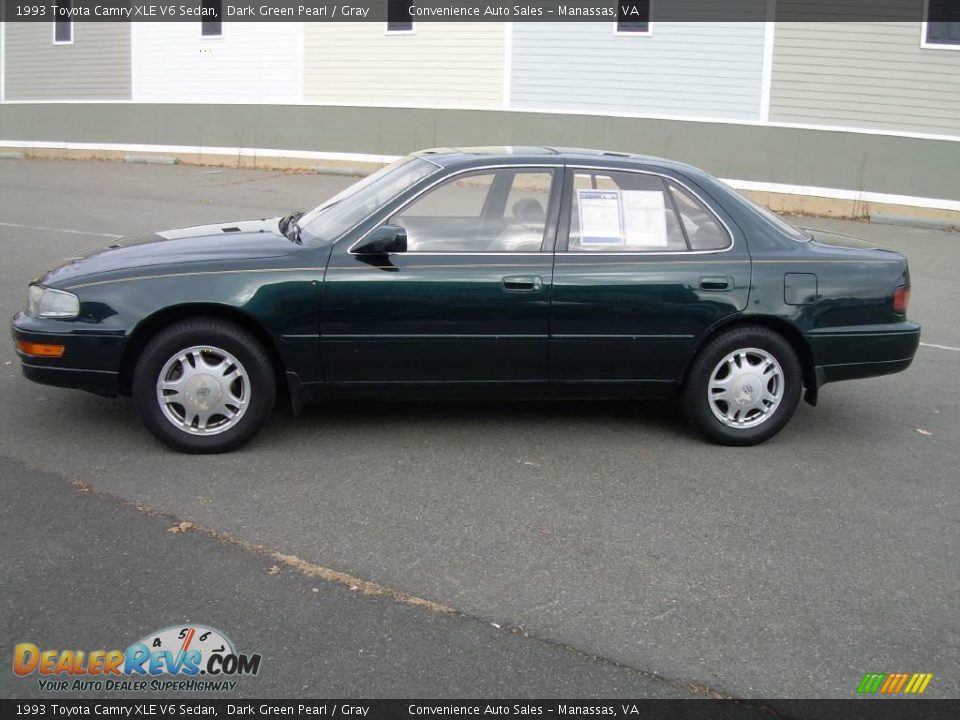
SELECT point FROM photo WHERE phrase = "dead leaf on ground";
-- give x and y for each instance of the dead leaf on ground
(180, 527)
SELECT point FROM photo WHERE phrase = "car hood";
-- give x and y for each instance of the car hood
(246, 240)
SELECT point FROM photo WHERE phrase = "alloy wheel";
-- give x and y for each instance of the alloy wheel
(203, 390)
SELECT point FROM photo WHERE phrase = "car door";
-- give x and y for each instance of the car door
(644, 266)
(467, 302)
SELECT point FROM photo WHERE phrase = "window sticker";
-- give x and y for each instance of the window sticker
(645, 218)
(600, 217)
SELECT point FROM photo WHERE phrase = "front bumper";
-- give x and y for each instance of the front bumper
(852, 353)
(91, 359)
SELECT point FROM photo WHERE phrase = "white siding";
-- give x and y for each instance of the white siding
(690, 69)
(439, 64)
(250, 63)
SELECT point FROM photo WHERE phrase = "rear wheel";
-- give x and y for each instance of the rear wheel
(204, 386)
(744, 386)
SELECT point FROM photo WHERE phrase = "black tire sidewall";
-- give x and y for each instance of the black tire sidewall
(695, 393)
(217, 334)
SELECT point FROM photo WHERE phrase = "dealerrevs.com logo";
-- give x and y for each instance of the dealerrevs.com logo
(179, 658)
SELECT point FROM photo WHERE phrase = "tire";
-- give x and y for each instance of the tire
(735, 395)
(211, 365)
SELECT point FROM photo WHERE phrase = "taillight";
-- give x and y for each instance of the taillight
(901, 296)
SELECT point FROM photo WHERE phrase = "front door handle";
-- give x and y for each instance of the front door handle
(715, 283)
(521, 283)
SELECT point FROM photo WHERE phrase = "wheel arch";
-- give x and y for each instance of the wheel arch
(147, 328)
(790, 332)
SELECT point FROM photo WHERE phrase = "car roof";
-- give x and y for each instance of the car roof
(468, 156)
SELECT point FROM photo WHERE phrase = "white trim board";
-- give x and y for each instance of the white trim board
(766, 80)
(3, 61)
(200, 150)
(246, 152)
(841, 194)
(507, 63)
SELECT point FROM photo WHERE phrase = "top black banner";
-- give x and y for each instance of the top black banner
(403, 12)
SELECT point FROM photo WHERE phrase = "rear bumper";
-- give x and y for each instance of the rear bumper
(91, 360)
(851, 353)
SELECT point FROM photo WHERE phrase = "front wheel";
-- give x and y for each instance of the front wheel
(744, 386)
(204, 386)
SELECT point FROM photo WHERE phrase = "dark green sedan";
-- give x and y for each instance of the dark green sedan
(494, 272)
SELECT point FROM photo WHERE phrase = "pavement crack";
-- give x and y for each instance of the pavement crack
(366, 587)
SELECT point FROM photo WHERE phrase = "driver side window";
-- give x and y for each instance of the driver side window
(487, 211)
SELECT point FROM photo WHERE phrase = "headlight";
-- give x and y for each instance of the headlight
(47, 302)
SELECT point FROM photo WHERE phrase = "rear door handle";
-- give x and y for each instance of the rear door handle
(715, 283)
(521, 283)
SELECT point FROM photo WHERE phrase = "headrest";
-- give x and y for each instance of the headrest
(529, 210)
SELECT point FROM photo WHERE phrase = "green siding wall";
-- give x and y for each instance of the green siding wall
(851, 161)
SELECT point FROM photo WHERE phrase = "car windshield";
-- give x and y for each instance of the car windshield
(344, 210)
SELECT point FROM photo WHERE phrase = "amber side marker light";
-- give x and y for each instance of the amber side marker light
(39, 349)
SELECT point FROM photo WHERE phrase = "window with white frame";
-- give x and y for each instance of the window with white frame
(212, 24)
(942, 23)
(633, 18)
(398, 16)
(62, 24)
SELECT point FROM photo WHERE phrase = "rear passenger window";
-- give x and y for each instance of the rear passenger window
(704, 231)
(622, 212)
(637, 212)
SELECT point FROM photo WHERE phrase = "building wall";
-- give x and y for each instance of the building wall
(439, 64)
(690, 91)
(251, 62)
(864, 75)
(809, 159)
(695, 69)
(96, 66)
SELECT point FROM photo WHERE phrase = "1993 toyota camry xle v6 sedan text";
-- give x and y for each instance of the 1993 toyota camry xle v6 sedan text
(511, 272)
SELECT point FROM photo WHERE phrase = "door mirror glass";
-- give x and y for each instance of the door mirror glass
(385, 239)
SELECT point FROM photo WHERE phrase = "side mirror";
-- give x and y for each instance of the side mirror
(385, 239)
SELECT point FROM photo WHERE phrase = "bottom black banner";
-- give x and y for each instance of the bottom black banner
(865, 709)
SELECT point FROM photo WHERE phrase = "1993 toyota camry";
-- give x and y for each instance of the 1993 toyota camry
(511, 272)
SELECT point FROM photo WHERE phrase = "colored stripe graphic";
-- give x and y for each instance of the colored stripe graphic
(894, 683)
(918, 683)
(871, 682)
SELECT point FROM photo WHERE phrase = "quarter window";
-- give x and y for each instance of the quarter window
(633, 18)
(703, 229)
(398, 16)
(212, 25)
(942, 22)
(62, 25)
(501, 211)
(636, 212)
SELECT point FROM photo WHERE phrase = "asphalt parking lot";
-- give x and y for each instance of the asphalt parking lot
(605, 532)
